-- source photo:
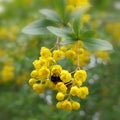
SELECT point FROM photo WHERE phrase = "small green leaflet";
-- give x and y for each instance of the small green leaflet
(76, 16)
(38, 27)
(97, 44)
(50, 15)
(64, 32)
(87, 34)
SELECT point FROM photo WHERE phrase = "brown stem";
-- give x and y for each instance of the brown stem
(78, 64)
(56, 44)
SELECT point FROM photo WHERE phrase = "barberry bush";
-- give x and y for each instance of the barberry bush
(62, 65)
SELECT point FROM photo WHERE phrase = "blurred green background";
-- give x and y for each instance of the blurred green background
(17, 51)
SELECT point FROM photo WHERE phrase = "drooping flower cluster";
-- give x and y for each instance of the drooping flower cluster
(102, 55)
(113, 28)
(74, 4)
(48, 73)
(7, 73)
(79, 55)
(51, 71)
(9, 34)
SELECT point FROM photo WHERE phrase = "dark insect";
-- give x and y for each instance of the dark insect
(55, 79)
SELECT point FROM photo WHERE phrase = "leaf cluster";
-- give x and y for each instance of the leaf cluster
(68, 25)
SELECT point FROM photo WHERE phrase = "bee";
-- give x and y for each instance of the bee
(56, 79)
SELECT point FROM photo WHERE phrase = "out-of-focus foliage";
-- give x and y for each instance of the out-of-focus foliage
(17, 52)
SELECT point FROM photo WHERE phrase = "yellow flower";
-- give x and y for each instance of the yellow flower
(58, 54)
(80, 75)
(104, 55)
(39, 88)
(74, 4)
(85, 18)
(50, 84)
(59, 105)
(45, 52)
(70, 54)
(77, 82)
(80, 43)
(34, 74)
(32, 81)
(80, 51)
(56, 70)
(75, 105)
(65, 76)
(66, 105)
(84, 59)
(60, 96)
(70, 7)
(51, 61)
(63, 48)
(83, 92)
(3, 32)
(40, 63)
(7, 73)
(44, 73)
(61, 87)
(74, 90)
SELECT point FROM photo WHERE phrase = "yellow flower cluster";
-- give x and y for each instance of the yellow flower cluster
(9, 34)
(48, 73)
(7, 73)
(67, 90)
(74, 4)
(113, 29)
(103, 55)
(79, 55)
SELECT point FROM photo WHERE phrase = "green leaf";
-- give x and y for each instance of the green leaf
(60, 6)
(51, 15)
(97, 44)
(77, 15)
(38, 27)
(64, 32)
(87, 34)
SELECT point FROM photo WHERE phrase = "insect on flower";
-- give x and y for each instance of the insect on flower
(56, 79)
